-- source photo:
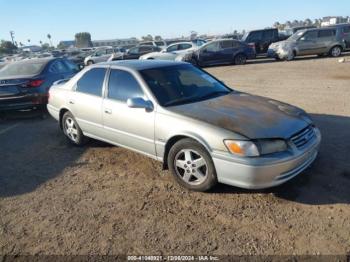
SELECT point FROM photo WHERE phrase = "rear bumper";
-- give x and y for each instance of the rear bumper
(267, 173)
(19, 102)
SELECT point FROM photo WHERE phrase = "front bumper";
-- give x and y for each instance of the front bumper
(25, 101)
(265, 173)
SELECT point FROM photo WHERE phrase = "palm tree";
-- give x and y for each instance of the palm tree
(49, 37)
(28, 40)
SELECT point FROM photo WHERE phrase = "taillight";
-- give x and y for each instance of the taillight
(34, 83)
(252, 45)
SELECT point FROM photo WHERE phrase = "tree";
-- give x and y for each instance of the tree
(83, 39)
(45, 46)
(147, 38)
(193, 35)
(28, 40)
(21, 44)
(7, 47)
(49, 37)
(158, 38)
(61, 46)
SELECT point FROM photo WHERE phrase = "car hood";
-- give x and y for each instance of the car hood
(251, 116)
(282, 44)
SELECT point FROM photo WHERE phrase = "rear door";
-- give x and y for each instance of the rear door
(325, 40)
(86, 101)
(256, 38)
(129, 127)
(225, 54)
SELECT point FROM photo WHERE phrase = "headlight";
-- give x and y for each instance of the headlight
(242, 148)
(256, 148)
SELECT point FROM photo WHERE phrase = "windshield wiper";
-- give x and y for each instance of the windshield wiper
(181, 100)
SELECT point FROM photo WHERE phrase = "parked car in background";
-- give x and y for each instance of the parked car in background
(262, 39)
(161, 44)
(173, 50)
(202, 130)
(25, 84)
(135, 52)
(101, 55)
(344, 31)
(216, 52)
(319, 41)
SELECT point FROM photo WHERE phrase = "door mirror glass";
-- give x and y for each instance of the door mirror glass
(139, 102)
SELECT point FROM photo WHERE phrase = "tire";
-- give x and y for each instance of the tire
(90, 62)
(335, 51)
(72, 130)
(240, 59)
(192, 166)
(291, 56)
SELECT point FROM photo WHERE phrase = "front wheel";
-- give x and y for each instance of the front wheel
(192, 166)
(72, 130)
(335, 51)
(240, 59)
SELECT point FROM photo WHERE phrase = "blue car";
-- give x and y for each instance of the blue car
(218, 52)
(25, 84)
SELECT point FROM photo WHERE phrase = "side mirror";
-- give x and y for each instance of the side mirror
(139, 102)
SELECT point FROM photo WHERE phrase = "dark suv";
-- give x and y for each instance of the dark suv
(217, 52)
(262, 39)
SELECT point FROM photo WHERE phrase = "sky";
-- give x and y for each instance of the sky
(109, 19)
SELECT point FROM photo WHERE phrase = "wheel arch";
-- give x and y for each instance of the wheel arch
(61, 114)
(174, 139)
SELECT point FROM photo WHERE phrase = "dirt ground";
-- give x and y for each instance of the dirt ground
(101, 199)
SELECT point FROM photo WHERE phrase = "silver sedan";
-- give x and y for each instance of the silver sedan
(200, 129)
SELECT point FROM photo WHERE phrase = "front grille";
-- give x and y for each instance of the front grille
(304, 137)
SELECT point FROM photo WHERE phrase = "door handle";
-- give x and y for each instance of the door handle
(108, 111)
(71, 102)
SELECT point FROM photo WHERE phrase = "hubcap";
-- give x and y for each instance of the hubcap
(336, 51)
(190, 166)
(71, 129)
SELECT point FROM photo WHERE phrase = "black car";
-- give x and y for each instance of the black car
(137, 51)
(262, 39)
(25, 84)
(224, 51)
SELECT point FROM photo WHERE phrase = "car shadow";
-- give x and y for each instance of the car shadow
(327, 180)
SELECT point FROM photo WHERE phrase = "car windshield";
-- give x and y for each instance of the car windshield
(182, 84)
(296, 36)
(22, 69)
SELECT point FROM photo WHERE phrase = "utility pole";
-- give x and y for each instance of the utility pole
(12, 33)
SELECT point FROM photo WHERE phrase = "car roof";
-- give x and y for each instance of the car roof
(142, 64)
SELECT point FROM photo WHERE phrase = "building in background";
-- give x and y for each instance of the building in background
(126, 42)
(66, 44)
(333, 20)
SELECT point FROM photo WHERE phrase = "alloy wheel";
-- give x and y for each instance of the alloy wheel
(191, 167)
(71, 129)
(336, 51)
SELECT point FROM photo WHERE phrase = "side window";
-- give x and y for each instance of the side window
(226, 44)
(236, 44)
(326, 33)
(58, 67)
(71, 66)
(122, 85)
(212, 47)
(109, 51)
(91, 82)
(134, 51)
(255, 36)
(312, 35)
(145, 49)
(184, 46)
(267, 35)
(172, 48)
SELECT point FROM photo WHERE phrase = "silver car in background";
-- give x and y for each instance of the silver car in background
(102, 55)
(202, 130)
(173, 50)
(320, 41)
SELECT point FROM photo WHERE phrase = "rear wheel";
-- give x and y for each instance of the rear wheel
(191, 165)
(90, 62)
(72, 130)
(335, 51)
(240, 59)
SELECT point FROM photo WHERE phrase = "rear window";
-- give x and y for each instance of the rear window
(22, 69)
(159, 43)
